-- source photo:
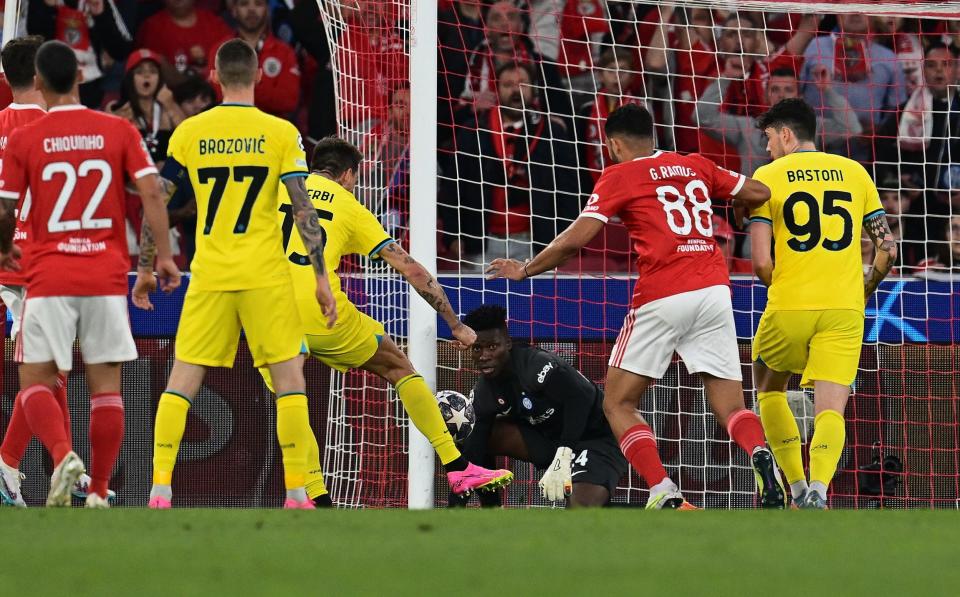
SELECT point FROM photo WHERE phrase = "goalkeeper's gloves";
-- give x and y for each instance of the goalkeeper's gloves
(557, 482)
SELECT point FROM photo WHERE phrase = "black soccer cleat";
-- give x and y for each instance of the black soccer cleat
(772, 495)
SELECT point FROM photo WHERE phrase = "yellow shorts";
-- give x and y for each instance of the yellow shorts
(352, 342)
(211, 320)
(820, 345)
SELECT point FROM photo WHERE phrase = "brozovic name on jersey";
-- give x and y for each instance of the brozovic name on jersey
(232, 146)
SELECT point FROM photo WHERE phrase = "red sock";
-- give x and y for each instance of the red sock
(17, 437)
(745, 428)
(640, 447)
(60, 393)
(45, 418)
(106, 435)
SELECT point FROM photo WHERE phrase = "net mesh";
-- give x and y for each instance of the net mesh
(519, 149)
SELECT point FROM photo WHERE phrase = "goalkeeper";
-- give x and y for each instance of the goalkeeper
(532, 406)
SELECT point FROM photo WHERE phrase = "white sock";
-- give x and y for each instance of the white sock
(164, 491)
(798, 489)
(299, 494)
(820, 488)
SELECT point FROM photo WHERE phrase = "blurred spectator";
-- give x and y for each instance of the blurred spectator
(194, 95)
(723, 233)
(319, 95)
(278, 91)
(863, 71)
(615, 78)
(507, 43)
(583, 25)
(925, 128)
(386, 164)
(459, 30)
(892, 33)
(516, 182)
(184, 35)
(945, 264)
(742, 131)
(147, 102)
(93, 28)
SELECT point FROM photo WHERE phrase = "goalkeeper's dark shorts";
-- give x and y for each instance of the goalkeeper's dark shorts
(597, 461)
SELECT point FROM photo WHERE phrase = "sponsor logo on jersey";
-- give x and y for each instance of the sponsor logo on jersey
(541, 418)
(543, 372)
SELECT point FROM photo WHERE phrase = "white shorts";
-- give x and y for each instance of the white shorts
(13, 297)
(698, 325)
(51, 323)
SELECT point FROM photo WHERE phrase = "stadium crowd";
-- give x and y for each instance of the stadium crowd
(522, 90)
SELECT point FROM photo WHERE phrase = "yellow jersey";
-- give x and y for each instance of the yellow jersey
(348, 228)
(817, 208)
(234, 157)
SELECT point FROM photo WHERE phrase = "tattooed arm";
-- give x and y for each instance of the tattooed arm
(146, 282)
(308, 224)
(429, 288)
(886, 253)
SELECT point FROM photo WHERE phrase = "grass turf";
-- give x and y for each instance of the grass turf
(514, 552)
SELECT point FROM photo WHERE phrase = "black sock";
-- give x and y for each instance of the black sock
(460, 464)
(323, 501)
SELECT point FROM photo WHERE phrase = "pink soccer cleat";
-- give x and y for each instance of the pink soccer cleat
(158, 502)
(477, 477)
(292, 504)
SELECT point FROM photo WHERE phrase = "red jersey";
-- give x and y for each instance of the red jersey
(664, 200)
(73, 161)
(11, 118)
(184, 47)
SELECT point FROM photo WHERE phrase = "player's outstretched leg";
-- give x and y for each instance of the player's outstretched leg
(744, 427)
(390, 363)
(620, 402)
(780, 426)
(169, 424)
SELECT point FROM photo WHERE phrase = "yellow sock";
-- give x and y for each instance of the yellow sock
(829, 435)
(293, 433)
(315, 485)
(167, 434)
(422, 409)
(782, 433)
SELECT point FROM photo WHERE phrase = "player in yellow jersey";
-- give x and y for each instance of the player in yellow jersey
(813, 321)
(357, 340)
(235, 158)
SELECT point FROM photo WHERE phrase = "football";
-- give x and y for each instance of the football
(457, 411)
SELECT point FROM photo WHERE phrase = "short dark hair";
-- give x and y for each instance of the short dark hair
(784, 71)
(939, 45)
(19, 58)
(236, 64)
(487, 317)
(57, 66)
(517, 65)
(632, 120)
(614, 55)
(335, 155)
(794, 114)
(192, 87)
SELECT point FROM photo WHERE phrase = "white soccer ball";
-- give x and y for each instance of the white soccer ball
(801, 404)
(458, 413)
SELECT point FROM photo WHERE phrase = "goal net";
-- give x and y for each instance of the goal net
(522, 93)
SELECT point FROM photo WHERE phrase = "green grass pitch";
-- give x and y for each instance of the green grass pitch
(508, 552)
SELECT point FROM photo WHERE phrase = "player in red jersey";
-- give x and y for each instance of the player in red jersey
(681, 301)
(73, 162)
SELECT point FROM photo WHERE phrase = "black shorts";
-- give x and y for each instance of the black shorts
(598, 461)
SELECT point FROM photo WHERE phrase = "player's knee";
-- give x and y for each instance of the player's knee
(588, 495)
(613, 404)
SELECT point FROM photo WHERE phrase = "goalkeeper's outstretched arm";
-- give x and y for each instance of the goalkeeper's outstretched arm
(429, 289)
(886, 253)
